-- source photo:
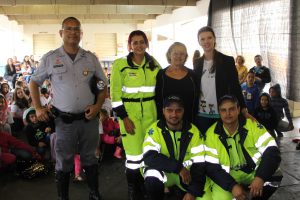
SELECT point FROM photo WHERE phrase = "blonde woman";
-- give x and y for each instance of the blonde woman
(241, 68)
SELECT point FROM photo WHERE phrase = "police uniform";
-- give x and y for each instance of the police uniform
(70, 82)
(248, 153)
(166, 152)
(132, 90)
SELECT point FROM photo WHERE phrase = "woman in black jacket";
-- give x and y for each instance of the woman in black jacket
(176, 79)
(217, 76)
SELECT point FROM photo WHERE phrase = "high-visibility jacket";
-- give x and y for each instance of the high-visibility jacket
(168, 151)
(260, 153)
(132, 91)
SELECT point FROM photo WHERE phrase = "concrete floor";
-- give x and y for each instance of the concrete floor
(113, 183)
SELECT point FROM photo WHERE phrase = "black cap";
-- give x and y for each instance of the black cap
(173, 99)
(227, 97)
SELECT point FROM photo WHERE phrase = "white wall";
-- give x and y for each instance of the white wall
(180, 26)
(89, 31)
(11, 40)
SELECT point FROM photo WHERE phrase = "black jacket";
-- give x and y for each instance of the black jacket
(189, 95)
(227, 81)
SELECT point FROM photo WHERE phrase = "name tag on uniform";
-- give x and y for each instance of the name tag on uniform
(131, 74)
(56, 66)
(58, 63)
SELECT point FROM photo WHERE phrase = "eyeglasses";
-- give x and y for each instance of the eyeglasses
(72, 28)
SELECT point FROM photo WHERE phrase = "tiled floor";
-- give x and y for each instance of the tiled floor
(113, 183)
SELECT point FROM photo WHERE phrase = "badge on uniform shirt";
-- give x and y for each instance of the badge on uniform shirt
(85, 72)
(58, 63)
(132, 74)
(260, 126)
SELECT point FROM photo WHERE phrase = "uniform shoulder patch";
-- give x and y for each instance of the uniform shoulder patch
(260, 126)
(151, 131)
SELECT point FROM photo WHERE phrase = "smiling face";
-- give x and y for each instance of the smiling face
(240, 60)
(138, 45)
(4, 89)
(71, 32)
(207, 41)
(173, 115)
(177, 55)
(20, 93)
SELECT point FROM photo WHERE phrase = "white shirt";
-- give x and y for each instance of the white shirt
(208, 98)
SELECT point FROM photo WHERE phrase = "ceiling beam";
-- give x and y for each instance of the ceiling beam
(84, 9)
(98, 2)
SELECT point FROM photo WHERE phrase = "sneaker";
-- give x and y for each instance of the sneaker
(78, 178)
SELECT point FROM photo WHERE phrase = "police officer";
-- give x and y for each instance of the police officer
(70, 70)
(173, 154)
(245, 151)
(133, 81)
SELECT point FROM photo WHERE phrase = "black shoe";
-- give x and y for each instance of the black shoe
(62, 184)
(91, 173)
(298, 146)
(279, 134)
(94, 195)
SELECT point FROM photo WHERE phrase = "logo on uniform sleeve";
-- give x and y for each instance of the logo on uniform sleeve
(260, 126)
(150, 132)
(58, 63)
(100, 85)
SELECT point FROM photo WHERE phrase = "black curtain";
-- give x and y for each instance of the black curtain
(251, 27)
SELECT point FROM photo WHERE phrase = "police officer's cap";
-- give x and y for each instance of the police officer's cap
(173, 99)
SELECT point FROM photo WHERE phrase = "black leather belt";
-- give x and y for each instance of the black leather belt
(66, 117)
(137, 99)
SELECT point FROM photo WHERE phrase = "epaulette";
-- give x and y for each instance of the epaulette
(49, 53)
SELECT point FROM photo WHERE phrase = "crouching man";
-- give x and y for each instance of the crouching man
(245, 151)
(173, 154)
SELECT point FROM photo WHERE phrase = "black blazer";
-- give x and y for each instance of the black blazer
(227, 81)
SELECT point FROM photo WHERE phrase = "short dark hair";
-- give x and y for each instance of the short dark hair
(230, 98)
(103, 111)
(69, 19)
(44, 90)
(256, 56)
(250, 72)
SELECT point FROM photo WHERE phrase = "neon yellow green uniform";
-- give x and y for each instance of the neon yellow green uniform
(166, 152)
(132, 92)
(248, 153)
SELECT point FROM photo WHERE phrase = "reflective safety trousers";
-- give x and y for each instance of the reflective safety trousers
(132, 92)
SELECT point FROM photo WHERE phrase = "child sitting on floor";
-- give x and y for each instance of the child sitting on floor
(111, 134)
(5, 116)
(265, 114)
(38, 133)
